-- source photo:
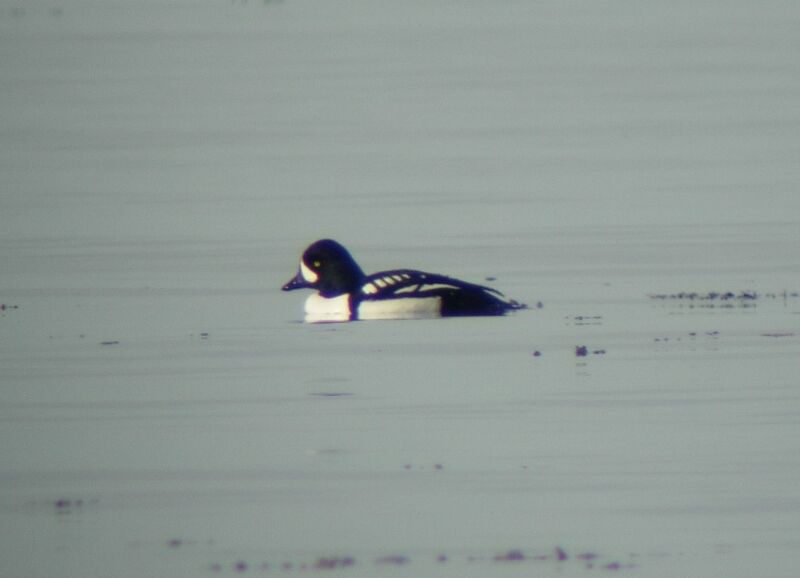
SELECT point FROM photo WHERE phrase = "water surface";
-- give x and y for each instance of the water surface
(164, 412)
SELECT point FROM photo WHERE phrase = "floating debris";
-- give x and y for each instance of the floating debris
(510, 556)
(708, 296)
(583, 351)
(745, 299)
(584, 320)
(393, 560)
(690, 337)
(64, 504)
(437, 467)
(328, 563)
(588, 559)
(722, 299)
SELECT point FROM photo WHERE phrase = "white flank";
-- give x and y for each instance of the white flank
(322, 310)
(422, 308)
(307, 273)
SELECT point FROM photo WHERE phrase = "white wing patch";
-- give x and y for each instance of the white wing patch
(412, 283)
(376, 285)
(421, 288)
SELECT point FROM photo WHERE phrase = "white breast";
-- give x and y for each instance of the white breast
(322, 310)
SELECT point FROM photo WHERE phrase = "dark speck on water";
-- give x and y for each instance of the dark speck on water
(394, 560)
(68, 505)
(510, 556)
(329, 563)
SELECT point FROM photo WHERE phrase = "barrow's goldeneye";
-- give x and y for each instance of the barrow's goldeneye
(345, 293)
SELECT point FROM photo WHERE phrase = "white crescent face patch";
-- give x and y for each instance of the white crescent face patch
(307, 274)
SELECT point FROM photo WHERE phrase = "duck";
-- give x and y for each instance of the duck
(343, 292)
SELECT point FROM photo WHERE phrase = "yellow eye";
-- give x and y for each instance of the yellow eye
(317, 263)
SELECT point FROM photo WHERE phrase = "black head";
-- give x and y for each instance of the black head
(329, 268)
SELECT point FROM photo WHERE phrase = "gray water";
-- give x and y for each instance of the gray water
(164, 412)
